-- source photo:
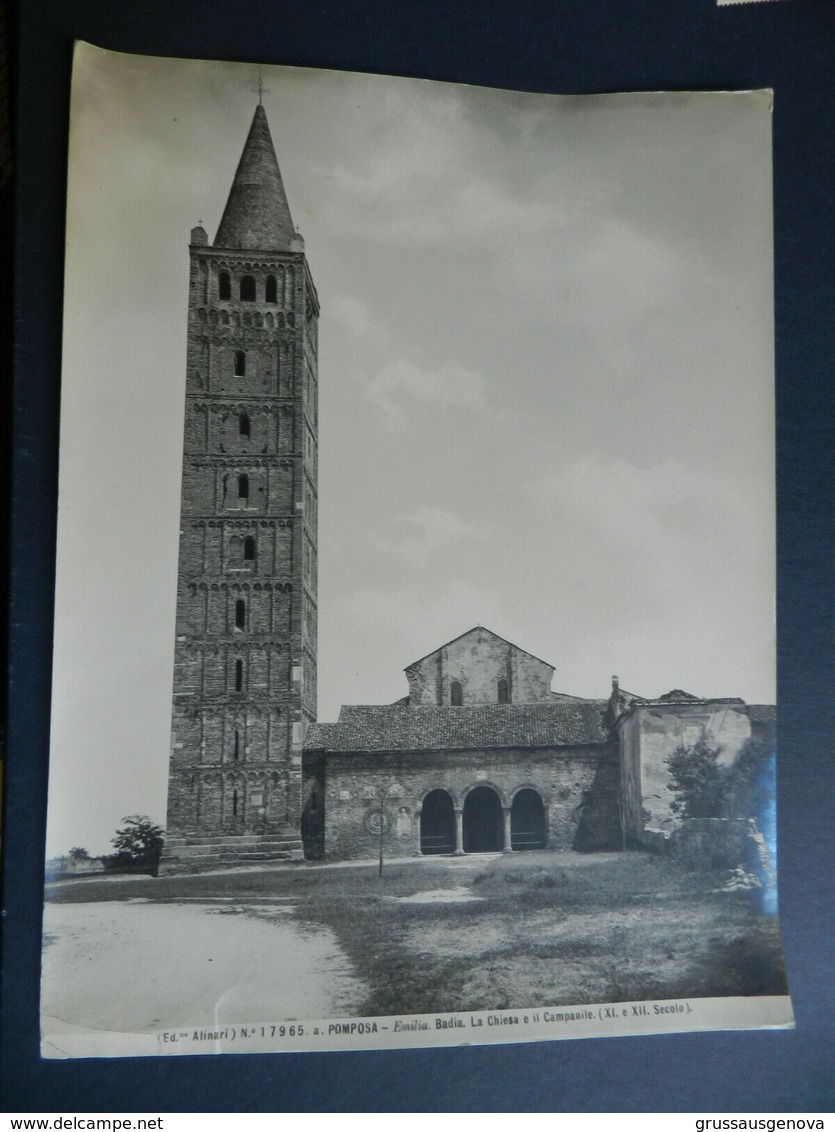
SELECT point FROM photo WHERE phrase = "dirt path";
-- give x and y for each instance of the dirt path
(140, 966)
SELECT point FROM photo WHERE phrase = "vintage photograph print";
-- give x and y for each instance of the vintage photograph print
(414, 672)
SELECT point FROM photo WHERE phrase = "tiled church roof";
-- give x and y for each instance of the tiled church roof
(427, 727)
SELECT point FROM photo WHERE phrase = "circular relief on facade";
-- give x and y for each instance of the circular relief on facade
(375, 819)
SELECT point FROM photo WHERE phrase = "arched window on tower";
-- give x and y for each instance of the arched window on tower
(503, 689)
(239, 675)
(224, 286)
(247, 289)
(271, 292)
(236, 748)
(243, 490)
(240, 363)
(456, 694)
(243, 426)
(234, 803)
(249, 549)
(240, 613)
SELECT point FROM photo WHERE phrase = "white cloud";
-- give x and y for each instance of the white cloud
(354, 315)
(429, 529)
(421, 620)
(436, 205)
(434, 172)
(602, 273)
(400, 383)
(623, 497)
(416, 139)
(484, 208)
(623, 268)
(668, 536)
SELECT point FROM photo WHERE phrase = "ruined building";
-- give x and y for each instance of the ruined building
(245, 654)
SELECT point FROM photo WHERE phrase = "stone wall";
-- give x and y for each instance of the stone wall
(578, 788)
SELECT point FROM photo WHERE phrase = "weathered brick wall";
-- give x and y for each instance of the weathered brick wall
(245, 655)
(578, 786)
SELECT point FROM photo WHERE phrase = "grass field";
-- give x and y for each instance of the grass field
(491, 932)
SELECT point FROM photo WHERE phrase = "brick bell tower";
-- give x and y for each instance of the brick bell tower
(245, 653)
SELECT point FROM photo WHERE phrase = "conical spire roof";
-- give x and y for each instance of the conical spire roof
(257, 214)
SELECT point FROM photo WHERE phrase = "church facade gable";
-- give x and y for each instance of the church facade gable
(479, 667)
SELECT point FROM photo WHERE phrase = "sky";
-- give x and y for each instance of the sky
(546, 389)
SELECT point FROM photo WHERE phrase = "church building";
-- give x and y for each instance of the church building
(481, 755)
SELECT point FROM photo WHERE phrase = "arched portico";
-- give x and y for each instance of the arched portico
(483, 821)
(528, 821)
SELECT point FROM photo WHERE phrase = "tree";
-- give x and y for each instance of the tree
(703, 788)
(749, 783)
(78, 854)
(696, 781)
(138, 844)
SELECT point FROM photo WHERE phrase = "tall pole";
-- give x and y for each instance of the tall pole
(382, 796)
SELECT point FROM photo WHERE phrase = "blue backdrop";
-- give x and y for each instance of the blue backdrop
(564, 46)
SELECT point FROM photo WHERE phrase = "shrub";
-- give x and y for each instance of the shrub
(705, 789)
(138, 846)
(696, 781)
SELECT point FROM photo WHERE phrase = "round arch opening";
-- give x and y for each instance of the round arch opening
(483, 821)
(527, 822)
(437, 823)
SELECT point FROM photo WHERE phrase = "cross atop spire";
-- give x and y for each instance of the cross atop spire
(260, 90)
(257, 215)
